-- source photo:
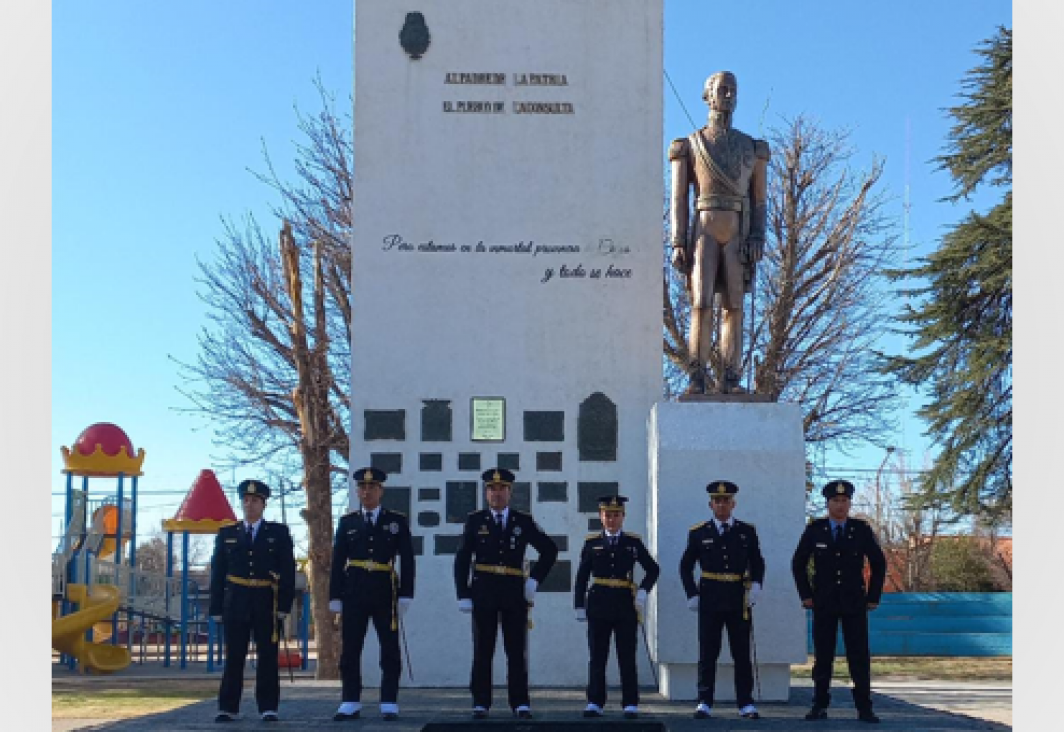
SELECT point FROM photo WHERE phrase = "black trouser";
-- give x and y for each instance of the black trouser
(486, 622)
(855, 638)
(355, 623)
(599, 631)
(238, 632)
(710, 624)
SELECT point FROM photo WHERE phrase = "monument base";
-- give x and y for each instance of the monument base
(759, 446)
(679, 682)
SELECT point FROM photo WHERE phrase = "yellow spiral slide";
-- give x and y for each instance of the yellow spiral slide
(68, 632)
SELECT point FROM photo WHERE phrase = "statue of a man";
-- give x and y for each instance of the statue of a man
(726, 237)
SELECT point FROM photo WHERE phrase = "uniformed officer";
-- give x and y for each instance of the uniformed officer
(732, 570)
(364, 585)
(839, 545)
(253, 576)
(493, 547)
(608, 560)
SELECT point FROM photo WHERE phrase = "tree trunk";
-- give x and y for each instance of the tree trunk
(318, 516)
(311, 400)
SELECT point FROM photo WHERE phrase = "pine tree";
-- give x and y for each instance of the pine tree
(962, 327)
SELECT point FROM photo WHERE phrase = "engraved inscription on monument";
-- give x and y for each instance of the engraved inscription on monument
(498, 78)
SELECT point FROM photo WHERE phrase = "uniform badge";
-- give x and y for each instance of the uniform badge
(517, 531)
(393, 527)
(483, 530)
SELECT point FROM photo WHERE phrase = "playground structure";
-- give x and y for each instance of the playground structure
(99, 593)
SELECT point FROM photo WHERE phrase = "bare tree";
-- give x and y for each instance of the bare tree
(817, 306)
(906, 532)
(273, 373)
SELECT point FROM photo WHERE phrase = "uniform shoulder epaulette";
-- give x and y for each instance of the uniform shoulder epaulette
(398, 513)
(698, 526)
(745, 523)
(515, 512)
(592, 536)
(761, 150)
(679, 148)
(632, 534)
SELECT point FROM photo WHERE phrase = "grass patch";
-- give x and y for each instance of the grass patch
(126, 702)
(916, 668)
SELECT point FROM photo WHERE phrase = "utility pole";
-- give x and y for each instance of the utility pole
(879, 493)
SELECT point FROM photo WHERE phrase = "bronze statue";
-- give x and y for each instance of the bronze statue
(720, 249)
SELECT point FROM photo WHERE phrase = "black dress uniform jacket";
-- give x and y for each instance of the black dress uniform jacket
(598, 560)
(371, 593)
(738, 553)
(483, 543)
(838, 583)
(269, 557)
(389, 540)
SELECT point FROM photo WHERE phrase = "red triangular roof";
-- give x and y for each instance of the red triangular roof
(205, 500)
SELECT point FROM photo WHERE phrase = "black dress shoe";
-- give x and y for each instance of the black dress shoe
(389, 716)
(522, 714)
(631, 715)
(591, 713)
(868, 716)
(699, 714)
(480, 714)
(270, 717)
(223, 717)
(338, 717)
(816, 713)
(750, 715)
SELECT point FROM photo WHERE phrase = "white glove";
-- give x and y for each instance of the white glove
(692, 604)
(336, 606)
(641, 601)
(530, 590)
(755, 592)
(581, 615)
(465, 605)
(404, 605)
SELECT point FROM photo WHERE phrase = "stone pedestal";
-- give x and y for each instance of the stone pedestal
(760, 448)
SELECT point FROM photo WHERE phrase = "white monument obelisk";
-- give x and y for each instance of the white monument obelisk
(507, 284)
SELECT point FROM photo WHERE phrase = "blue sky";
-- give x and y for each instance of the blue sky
(160, 109)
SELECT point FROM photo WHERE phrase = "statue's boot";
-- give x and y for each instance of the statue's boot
(699, 343)
(731, 338)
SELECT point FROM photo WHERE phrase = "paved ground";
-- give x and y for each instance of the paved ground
(913, 706)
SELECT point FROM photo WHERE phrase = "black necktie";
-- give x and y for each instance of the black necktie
(613, 542)
(369, 519)
(251, 534)
(724, 529)
(838, 532)
(498, 521)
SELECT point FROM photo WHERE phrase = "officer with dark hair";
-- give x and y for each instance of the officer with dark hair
(613, 605)
(253, 575)
(493, 547)
(732, 571)
(836, 593)
(364, 585)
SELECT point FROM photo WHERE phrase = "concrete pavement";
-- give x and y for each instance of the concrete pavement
(913, 706)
